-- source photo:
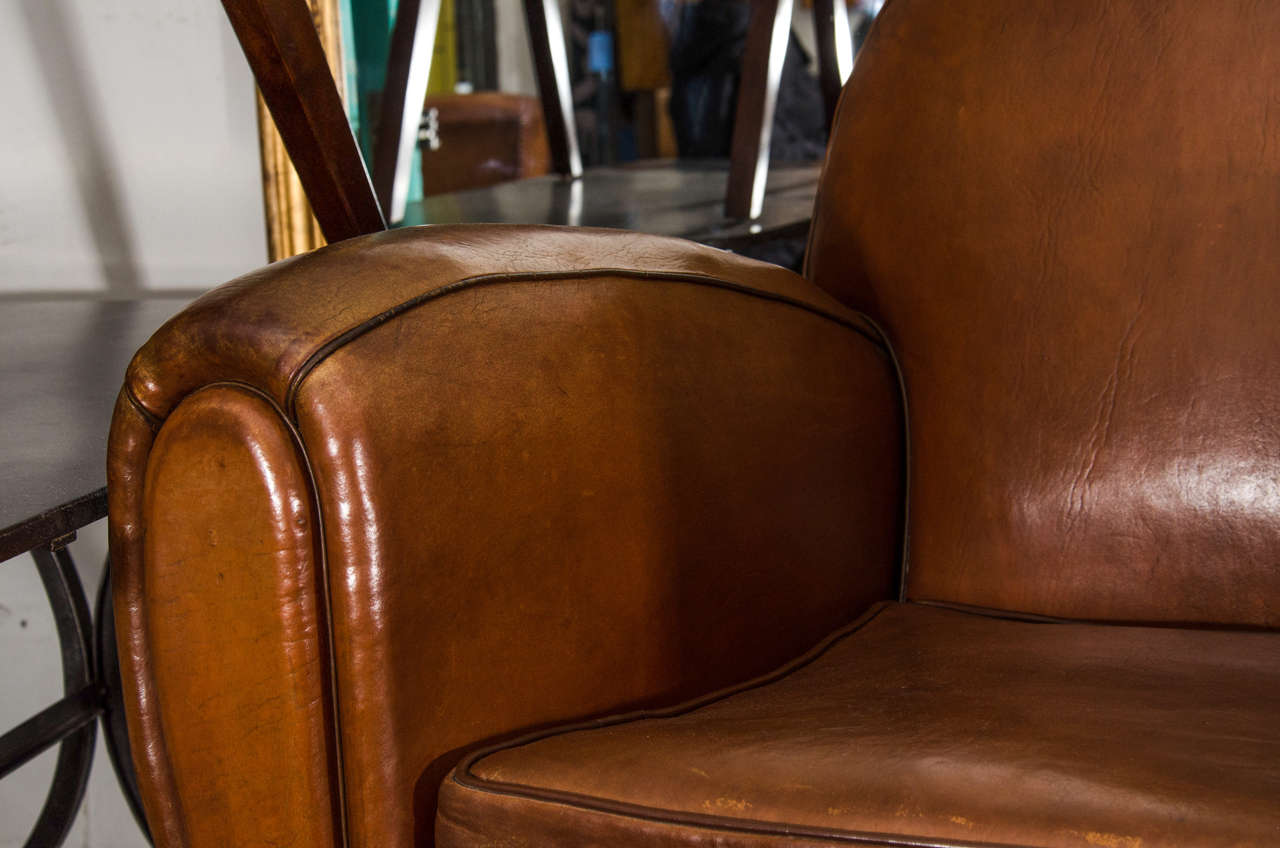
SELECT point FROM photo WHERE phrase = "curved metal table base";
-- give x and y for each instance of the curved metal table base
(91, 690)
(60, 364)
(115, 730)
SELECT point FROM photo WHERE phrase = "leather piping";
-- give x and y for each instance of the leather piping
(904, 531)
(1015, 615)
(153, 420)
(805, 270)
(871, 333)
(465, 777)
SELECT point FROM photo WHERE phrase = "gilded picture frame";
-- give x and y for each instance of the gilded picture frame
(291, 228)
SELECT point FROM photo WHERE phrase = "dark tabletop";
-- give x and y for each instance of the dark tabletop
(61, 364)
(664, 197)
(62, 361)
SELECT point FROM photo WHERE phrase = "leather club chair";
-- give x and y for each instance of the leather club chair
(520, 536)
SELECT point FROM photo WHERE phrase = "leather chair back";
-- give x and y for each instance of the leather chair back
(1079, 264)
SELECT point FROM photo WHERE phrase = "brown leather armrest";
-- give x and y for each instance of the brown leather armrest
(427, 488)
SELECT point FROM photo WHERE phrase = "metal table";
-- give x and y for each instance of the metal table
(61, 364)
(668, 198)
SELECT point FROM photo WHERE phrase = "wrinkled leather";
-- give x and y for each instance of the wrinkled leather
(920, 725)
(556, 473)
(560, 473)
(1067, 217)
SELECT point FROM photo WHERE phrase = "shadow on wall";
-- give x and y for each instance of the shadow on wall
(82, 129)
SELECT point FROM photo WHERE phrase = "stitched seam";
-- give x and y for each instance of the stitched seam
(1037, 618)
(325, 349)
(686, 707)
(464, 777)
(904, 531)
(153, 421)
(806, 271)
(767, 828)
(991, 612)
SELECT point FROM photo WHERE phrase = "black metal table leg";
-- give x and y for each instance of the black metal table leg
(75, 757)
(91, 687)
(114, 729)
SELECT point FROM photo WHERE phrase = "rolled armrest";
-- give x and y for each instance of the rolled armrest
(421, 490)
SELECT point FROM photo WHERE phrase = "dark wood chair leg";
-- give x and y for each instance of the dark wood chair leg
(280, 41)
(408, 68)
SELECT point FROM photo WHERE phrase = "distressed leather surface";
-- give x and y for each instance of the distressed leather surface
(920, 726)
(235, 626)
(555, 473)
(1067, 217)
(563, 473)
(262, 328)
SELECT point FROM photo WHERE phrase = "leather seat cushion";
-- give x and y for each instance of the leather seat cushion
(918, 725)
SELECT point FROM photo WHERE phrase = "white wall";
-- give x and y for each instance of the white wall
(515, 59)
(130, 154)
(128, 162)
